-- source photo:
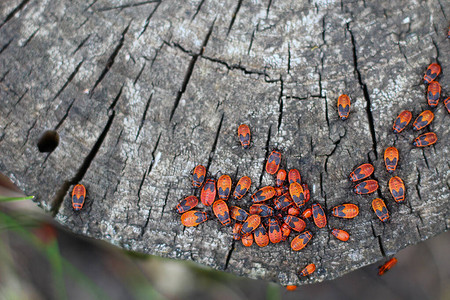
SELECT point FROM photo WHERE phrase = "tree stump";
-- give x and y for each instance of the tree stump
(139, 93)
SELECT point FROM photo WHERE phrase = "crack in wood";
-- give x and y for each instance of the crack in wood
(251, 42)
(280, 102)
(267, 154)
(227, 260)
(80, 45)
(14, 11)
(233, 17)
(65, 116)
(147, 21)
(150, 167)
(128, 5)
(214, 145)
(140, 73)
(268, 8)
(197, 10)
(30, 38)
(147, 105)
(111, 60)
(5, 46)
(69, 80)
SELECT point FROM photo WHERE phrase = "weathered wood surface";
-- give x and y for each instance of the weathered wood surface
(141, 92)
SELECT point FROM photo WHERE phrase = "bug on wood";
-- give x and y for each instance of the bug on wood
(275, 234)
(250, 224)
(281, 177)
(237, 231)
(291, 287)
(263, 194)
(434, 93)
(361, 172)
(346, 211)
(380, 209)
(208, 194)
(391, 159)
(238, 214)
(262, 210)
(423, 120)
(402, 121)
(242, 187)
(431, 73)
(244, 135)
(343, 106)
(301, 240)
(340, 234)
(294, 176)
(308, 270)
(220, 209)
(425, 139)
(366, 187)
(198, 176)
(186, 204)
(397, 189)
(261, 237)
(280, 190)
(307, 213)
(285, 231)
(295, 223)
(387, 266)
(447, 104)
(224, 187)
(297, 194)
(193, 218)
(247, 240)
(273, 162)
(78, 197)
(306, 192)
(319, 215)
(283, 202)
(294, 211)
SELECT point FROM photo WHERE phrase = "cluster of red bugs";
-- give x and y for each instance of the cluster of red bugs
(275, 211)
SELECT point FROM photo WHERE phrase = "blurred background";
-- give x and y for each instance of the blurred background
(41, 260)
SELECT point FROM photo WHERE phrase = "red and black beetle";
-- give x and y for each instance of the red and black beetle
(423, 120)
(361, 172)
(402, 121)
(366, 187)
(431, 73)
(273, 162)
(198, 176)
(78, 197)
(425, 139)
(343, 106)
(244, 135)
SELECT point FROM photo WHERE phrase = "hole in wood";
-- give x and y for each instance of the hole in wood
(48, 141)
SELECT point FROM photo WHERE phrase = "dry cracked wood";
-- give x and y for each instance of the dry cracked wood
(141, 92)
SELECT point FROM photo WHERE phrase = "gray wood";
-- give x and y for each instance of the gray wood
(141, 92)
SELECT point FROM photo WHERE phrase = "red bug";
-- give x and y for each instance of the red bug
(208, 194)
(301, 240)
(285, 231)
(224, 187)
(340, 234)
(294, 176)
(247, 240)
(366, 187)
(431, 73)
(295, 223)
(280, 190)
(434, 92)
(193, 218)
(78, 197)
(447, 104)
(346, 211)
(198, 176)
(291, 287)
(308, 270)
(319, 215)
(402, 121)
(397, 189)
(261, 237)
(425, 139)
(244, 135)
(307, 213)
(294, 211)
(261, 209)
(263, 194)
(297, 194)
(220, 209)
(391, 159)
(306, 192)
(387, 266)
(242, 187)
(236, 231)
(361, 172)
(250, 224)
(275, 234)
(273, 162)
(283, 202)
(186, 204)
(281, 177)
(238, 214)
(343, 106)
(380, 209)
(423, 120)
